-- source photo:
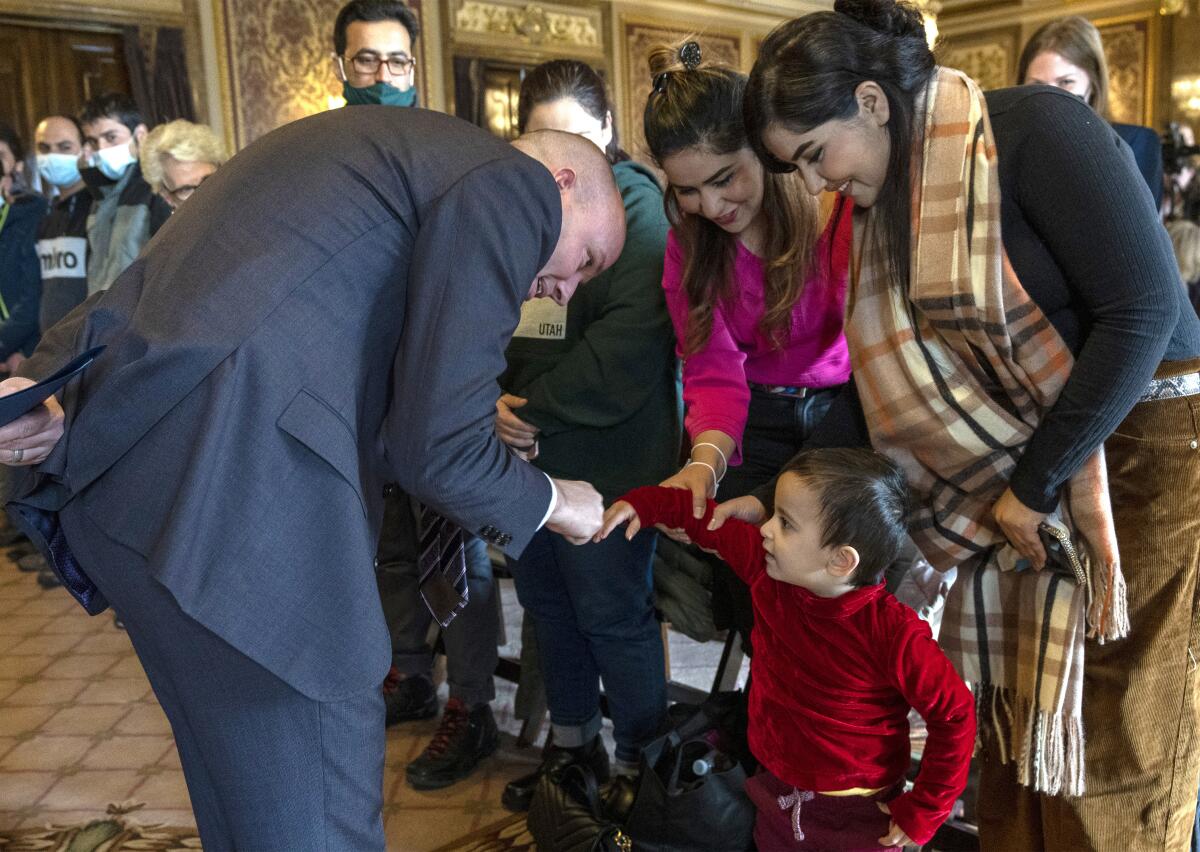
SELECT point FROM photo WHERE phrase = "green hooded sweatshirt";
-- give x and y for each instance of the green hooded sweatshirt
(601, 375)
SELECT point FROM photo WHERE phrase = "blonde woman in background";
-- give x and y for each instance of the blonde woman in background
(179, 156)
(1067, 53)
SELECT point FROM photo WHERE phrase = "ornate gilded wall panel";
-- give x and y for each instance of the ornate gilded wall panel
(989, 58)
(639, 37)
(279, 66)
(517, 24)
(1127, 48)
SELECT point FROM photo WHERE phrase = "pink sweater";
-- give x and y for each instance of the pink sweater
(714, 379)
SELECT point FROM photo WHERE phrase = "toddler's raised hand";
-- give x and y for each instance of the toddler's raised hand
(617, 514)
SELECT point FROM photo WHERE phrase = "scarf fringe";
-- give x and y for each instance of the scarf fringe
(1047, 747)
(1107, 602)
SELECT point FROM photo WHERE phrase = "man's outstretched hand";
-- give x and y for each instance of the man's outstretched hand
(578, 513)
(31, 437)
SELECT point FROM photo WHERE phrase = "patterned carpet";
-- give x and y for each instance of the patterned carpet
(80, 729)
(120, 832)
(117, 832)
(507, 835)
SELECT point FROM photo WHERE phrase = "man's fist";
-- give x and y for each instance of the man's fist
(578, 513)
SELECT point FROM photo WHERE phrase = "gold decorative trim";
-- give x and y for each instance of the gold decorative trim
(988, 57)
(225, 75)
(60, 12)
(526, 24)
(1149, 70)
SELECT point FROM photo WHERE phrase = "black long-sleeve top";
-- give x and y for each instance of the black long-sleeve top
(1087, 245)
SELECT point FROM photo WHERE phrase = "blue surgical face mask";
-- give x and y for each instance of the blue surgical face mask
(115, 160)
(59, 169)
(380, 93)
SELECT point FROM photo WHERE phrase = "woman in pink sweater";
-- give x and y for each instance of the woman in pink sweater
(754, 285)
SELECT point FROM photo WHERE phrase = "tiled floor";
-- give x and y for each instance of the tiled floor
(80, 728)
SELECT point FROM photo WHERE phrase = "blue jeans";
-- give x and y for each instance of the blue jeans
(593, 611)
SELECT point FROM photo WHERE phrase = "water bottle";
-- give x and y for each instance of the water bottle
(694, 763)
(701, 766)
(714, 761)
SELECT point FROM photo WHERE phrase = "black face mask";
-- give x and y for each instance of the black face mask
(94, 178)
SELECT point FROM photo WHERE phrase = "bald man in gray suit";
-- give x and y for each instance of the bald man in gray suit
(329, 312)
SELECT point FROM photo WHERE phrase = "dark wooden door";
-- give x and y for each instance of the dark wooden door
(44, 71)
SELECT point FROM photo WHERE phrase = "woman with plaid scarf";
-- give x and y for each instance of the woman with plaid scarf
(1021, 347)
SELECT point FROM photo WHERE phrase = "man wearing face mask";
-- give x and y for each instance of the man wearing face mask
(62, 238)
(126, 212)
(20, 278)
(373, 52)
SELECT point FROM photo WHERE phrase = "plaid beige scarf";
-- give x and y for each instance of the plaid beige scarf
(954, 376)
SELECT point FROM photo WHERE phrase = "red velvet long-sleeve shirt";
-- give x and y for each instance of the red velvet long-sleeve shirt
(834, 678)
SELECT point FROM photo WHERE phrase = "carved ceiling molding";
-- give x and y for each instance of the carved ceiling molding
(525, 25)
(115, 12)
(960, 17)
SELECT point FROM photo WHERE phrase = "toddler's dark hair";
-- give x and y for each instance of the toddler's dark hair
(864, 503)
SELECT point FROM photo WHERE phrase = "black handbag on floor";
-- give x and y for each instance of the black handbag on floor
(691, 794)
(566, 815)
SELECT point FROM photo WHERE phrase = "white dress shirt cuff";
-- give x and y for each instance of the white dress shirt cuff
(553, 501)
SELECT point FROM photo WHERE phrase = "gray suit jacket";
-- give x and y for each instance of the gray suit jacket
(328, 313)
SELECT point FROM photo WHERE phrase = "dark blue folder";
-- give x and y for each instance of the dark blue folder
(24, 401)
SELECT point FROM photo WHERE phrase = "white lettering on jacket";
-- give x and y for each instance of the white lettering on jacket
(542, 319)
(63, 257)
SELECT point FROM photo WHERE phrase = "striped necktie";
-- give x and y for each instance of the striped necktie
(443, 567)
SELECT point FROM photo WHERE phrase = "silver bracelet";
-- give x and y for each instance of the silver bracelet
(724, 461)
(716, 481)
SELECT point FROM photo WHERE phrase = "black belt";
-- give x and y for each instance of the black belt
(794, 391)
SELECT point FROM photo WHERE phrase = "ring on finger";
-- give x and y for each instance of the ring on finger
(18, 454)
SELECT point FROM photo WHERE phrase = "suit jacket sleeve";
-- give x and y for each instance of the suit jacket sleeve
(478, 248)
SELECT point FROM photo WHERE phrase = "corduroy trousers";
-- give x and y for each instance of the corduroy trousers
(1141, 695)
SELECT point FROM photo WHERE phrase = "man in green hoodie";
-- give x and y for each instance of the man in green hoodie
(592, 390)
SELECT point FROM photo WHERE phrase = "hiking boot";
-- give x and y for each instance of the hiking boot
(464, 738)
(408, 698)
(519, 793)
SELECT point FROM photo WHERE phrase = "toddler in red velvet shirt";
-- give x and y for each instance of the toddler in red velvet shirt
(838, 661)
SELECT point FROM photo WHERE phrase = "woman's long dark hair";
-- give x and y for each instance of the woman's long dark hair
(701, 106)
(574, 80)
(807, 72)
